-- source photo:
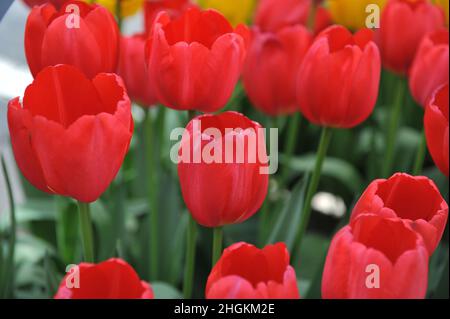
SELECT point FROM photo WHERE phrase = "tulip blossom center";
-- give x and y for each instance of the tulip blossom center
(441, 101)
(384, 236)
(243, 260)
(410, 198)
(440, 37)
(82, 9)
(340, 38)
(203, 27)
(413, 3)
(65, 99)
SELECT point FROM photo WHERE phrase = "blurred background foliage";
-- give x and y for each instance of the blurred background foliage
(48, 235)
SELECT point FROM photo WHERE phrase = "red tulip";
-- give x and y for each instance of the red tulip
(57, 3)
(416, 200)
(196, 60)
(231, 187)
(322, 20)
(271, 68)
(92, 47)
(174, 8)
(430, 68)
(111, 279)
(133, 70)
(403, 25)
(246, 272)
(375, 258)
(71, 134)
(273, 15)
(436, 128)
(339, 78)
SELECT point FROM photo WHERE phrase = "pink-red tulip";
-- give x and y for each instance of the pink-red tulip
(230, 187)
(195, 60)
(271, 68)
(416, 200)
(273, 15)
(339, 78)
(111, 279)
(246, 272)
(403, 25)
(430, 68)
(71, 134)
(88, 41)
(57, 3)
(133, 70)
(375, 258)
(174, 9)
(436, 128)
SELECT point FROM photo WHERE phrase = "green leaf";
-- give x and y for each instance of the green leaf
(165, 291)
(50, 276)
(336, 168)
(67, 231)
(438, 273)
(286, 224)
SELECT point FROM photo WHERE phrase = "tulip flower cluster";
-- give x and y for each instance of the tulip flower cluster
(225, 65)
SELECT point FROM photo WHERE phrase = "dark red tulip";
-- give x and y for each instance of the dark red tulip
(375, 258)
(231, 187)
(403, 25)
(133, 70)
(57, 3)
(436, 128)
(246, 272)
(273, 15)
(111, 279)
(174, 9)
(71, 134)
(416, 200)
(92, 46)
(195, 60)
(271, 68)
(339, 78)
(430, 68)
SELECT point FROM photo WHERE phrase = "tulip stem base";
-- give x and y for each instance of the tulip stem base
(191, 242)
(292, 136)
(392, 130)
(190, 258)
(217, 244)
(7, 275)
(86, 232)
(312, 189)
(420, 156)
(151, 147)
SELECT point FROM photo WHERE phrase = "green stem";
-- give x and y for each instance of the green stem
(264, 221)
(394, 121)
(312, 16)
(86, 232)
(191, 241)
(8, 275)
(312, 188)
(152, 190)
(420, 155)
(293, 129)
(119, 14)
(190, 258)
(217, 244)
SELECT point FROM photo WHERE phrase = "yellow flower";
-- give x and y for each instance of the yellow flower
(444, 5)
(352, 13)
(128, 7)
(236, 11)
